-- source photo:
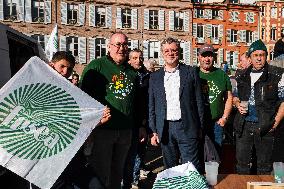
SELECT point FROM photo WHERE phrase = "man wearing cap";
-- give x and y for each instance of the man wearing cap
(262, 86)
(176, 108)
(217, 92)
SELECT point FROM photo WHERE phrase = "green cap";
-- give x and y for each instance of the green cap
(257, 45)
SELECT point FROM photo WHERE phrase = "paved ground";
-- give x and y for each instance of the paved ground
(154, 163)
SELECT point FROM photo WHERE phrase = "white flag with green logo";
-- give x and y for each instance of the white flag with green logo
(44, 120)
(183, 176)
(52, 43)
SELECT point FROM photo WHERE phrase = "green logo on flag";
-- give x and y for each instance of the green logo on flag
(38, 121)
(192, 181)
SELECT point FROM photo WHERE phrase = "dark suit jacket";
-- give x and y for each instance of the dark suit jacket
(191, 101)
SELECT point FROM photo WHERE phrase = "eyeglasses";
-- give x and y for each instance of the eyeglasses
(118, 45)
(168, 51)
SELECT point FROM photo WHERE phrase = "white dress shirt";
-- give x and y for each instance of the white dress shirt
(172, 86)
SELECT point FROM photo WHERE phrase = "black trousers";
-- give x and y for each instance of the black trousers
(263, 146)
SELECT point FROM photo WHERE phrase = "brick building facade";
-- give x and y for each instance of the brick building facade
(271, 23)
(84, 27)
(230, 26)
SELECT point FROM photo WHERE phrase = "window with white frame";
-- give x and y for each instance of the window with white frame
(262, 11)
(271, 54)
(234, 36)
(262, 32)
(40, 39)
(250, 17)
(10, 9)
(249, 36)
(282, 12)
(230, 57)
(282, 30)
(273, 33)
(179, 19)
(38, 10)
(234, 16)
(200, 31)
(126, 18)
(273, 12)
(72, 45)
(215, 13)
(72, 13)
(153, 19)
(199, 13)
(154, 48)
(233, 1)
(100, 47)
(198, 1)
(215, 31)
(100, 15)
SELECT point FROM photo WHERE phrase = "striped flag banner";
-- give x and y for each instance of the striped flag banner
(44, 120)
(52, 44)
(183, 176)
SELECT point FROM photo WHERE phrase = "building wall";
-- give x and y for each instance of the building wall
(226, 49)
(141, 37)
(268, 21)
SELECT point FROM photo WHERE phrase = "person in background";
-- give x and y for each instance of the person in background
(150, 65)
(260, 111)
(111, 81)
(176, 109)
(75, 79)
(225, 66)
(245, 62)
(217, 92)
(279, 48)
(135, 158)
(278, 53)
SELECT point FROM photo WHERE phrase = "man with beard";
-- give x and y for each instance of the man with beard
(176, 108)
(111, 81)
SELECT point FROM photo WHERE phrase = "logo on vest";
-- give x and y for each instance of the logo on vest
(38, 121)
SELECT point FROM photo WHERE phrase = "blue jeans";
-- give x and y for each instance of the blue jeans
(108, 156)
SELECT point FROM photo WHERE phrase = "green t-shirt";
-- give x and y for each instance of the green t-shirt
(215, 85)
(113, 85)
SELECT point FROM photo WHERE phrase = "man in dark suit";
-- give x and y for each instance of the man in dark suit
(176, 108)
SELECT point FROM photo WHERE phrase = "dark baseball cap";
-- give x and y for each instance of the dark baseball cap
(206, 48)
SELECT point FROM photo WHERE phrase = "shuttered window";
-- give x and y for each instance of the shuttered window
(72, 45)
(37, 11)
(40, 39)
(126, 18)
(100, 47)
(82, 50)
(10, 10)
(153, 19)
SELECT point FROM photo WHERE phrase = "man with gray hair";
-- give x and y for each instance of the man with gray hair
(111, 81)
(175, 108)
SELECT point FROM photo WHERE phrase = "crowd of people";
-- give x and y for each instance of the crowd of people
(181, 108)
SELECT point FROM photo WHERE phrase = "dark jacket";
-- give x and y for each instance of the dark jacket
(266, 97)
(142, 97)
(191, 101)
